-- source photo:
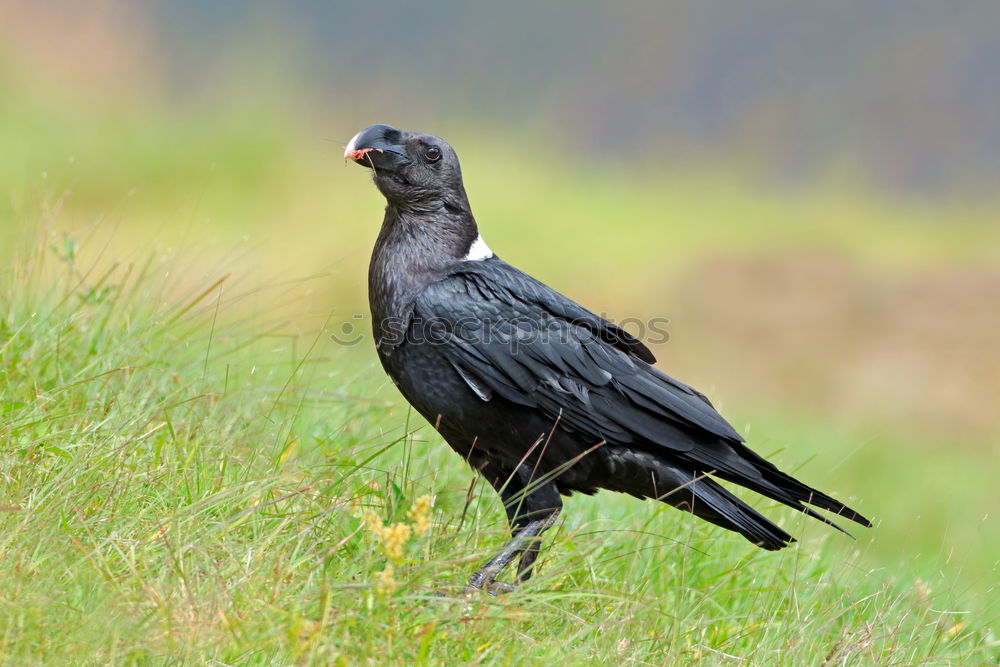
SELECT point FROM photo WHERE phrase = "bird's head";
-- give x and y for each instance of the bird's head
(412, 170)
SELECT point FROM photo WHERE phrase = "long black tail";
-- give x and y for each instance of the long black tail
(707, 499)
(735, 462)
(692, 488)
(646, 475)
(784, 488)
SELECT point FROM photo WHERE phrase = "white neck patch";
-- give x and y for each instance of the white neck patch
(478, 251)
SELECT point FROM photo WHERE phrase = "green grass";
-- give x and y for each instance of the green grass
(178, 485)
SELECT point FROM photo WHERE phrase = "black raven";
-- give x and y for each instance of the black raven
(537, 393)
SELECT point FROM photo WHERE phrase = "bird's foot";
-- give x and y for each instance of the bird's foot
(485, 580)
(493, 587)
(496, 588)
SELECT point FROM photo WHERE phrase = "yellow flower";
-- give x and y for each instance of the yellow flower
(420, 514)
(385, 582)
(373, 522)
(394, 539)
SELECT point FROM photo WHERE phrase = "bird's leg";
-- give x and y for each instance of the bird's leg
(530, 513)
(532, 550)
(525, 544)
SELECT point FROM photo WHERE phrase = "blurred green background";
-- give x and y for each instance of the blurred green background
(808, 193)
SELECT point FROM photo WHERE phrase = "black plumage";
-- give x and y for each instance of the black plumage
(537, 393)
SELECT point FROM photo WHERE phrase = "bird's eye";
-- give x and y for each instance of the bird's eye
(433, 154)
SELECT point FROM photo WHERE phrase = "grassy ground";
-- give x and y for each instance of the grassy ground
(178, 485)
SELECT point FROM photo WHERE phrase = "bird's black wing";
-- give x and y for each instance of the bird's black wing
(524, 341)
(510, 335)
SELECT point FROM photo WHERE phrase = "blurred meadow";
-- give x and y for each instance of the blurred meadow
(810, 195)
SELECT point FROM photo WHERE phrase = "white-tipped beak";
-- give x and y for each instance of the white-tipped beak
(351, 148)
